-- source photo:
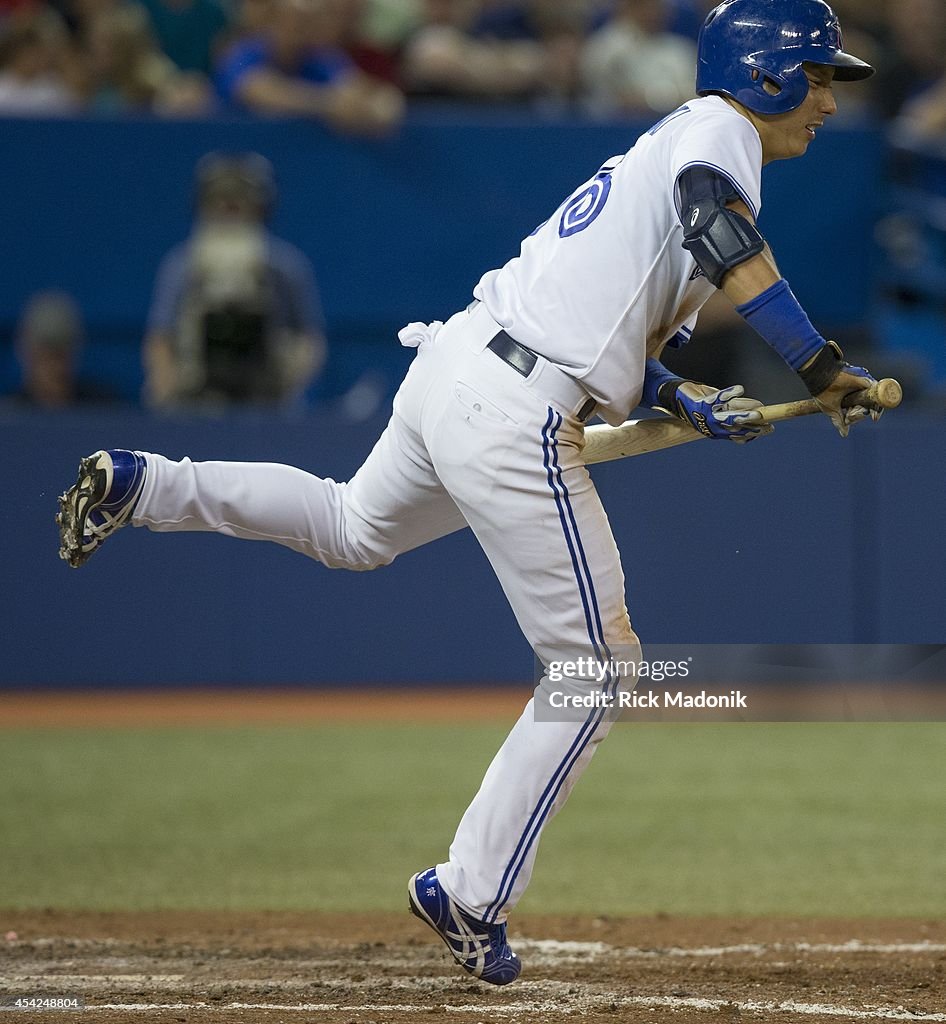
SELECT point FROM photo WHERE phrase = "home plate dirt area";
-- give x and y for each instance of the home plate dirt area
(193, 967)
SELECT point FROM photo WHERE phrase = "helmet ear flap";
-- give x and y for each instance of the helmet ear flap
(768, 83)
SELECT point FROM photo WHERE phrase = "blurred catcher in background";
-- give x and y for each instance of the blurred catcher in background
(236, 316)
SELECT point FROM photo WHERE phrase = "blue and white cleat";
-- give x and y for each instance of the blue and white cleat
(99, 503)
(477, 947)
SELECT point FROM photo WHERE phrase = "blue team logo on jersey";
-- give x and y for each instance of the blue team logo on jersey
(581, 211)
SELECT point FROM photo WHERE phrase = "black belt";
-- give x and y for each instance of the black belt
(523, 361)
(520, 358)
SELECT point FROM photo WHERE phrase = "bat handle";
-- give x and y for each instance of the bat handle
(885, 394)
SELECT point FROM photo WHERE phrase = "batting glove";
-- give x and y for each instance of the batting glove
(716, 412)
(830, 379)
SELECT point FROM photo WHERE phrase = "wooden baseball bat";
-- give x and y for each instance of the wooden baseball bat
(637, 437)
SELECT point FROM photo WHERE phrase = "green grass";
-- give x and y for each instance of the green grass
(815, 819)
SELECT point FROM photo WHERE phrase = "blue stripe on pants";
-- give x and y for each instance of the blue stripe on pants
(596, 636)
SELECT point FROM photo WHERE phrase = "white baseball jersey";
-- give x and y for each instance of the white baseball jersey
(472, 441)
(605, 282)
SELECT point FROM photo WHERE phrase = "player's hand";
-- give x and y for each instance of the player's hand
(719, 412)
(844, 379)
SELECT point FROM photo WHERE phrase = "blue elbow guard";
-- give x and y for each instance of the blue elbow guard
(716, 237)
(719, 239)
(777, 315)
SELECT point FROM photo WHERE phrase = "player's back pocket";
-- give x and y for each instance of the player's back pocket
(479, 406)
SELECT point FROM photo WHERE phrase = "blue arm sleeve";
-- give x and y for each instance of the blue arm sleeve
(655, 376)
(777, 315)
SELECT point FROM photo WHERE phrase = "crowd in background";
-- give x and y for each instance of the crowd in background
(354, 64)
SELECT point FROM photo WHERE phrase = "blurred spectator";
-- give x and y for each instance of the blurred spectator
(521, 51)
(128, 72)
(863, 23)
(296, 66)
(503, 19)
(528, 19)
(78, 13)
(388, 23)
(236, 316)
(248, 18)
(8, 7)
(32, 82)
(562, 30)
(376, 57)
(187, 31)
(49, 342)
(634, 65)
(915, 56)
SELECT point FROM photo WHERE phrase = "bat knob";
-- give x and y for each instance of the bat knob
(887, 393)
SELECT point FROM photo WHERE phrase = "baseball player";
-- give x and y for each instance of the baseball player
(487, 427)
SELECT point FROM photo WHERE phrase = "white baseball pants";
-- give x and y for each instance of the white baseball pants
(470, 442)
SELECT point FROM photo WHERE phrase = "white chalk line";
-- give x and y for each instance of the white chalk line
(564, 951)
(97, 982)
(547, 1006)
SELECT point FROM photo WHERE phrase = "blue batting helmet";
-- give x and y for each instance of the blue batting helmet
(745, 43)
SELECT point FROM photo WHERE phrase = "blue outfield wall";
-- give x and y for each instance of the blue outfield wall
(800, 537)
(398, 229)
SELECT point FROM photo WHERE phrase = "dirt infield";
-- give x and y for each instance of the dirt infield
(192, 968)
(142, 708)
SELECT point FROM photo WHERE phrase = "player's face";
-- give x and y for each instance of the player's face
(789, 135)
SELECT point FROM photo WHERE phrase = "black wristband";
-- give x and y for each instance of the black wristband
(822, 371)
(667, 393)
